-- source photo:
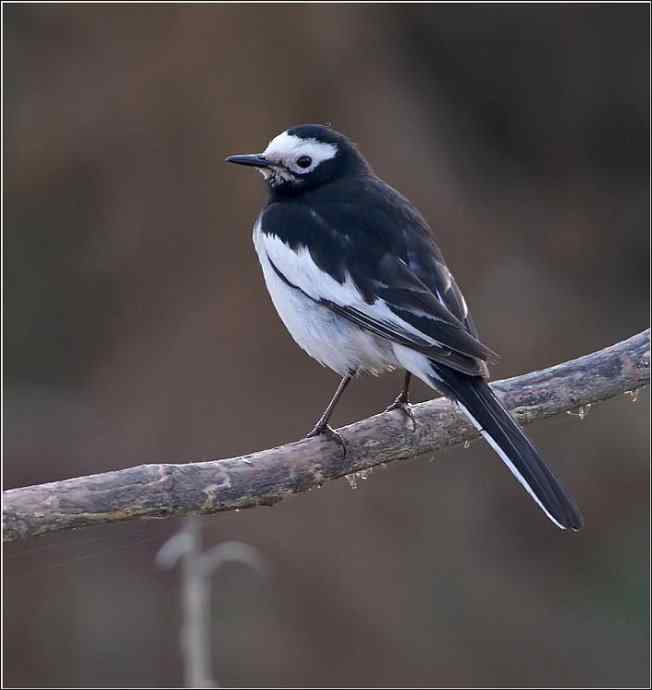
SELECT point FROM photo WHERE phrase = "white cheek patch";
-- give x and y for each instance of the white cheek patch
(286, 148)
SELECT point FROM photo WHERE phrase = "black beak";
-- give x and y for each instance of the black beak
(255, 160)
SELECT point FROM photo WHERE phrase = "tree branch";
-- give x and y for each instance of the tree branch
(266, 477)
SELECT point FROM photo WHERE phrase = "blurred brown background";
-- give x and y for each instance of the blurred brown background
(138, 329)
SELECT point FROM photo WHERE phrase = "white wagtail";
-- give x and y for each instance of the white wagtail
(358, 280)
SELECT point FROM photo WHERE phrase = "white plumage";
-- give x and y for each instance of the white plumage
(285, 148)
(325, 336)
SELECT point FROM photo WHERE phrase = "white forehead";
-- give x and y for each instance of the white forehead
(286, 146)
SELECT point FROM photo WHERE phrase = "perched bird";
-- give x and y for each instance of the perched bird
(357, 278)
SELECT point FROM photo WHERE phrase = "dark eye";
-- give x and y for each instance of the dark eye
(304, 161)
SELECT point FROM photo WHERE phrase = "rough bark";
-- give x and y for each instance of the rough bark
(266, 477)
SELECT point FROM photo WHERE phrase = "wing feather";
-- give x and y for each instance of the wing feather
(368, 281)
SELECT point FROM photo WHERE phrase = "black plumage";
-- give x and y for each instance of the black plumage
(386, 247)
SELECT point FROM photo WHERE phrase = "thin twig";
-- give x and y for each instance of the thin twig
(266, 477)
(197, 568)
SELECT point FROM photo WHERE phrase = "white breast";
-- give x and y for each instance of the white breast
(330, 339)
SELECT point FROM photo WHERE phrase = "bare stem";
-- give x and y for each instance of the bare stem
(197, 568)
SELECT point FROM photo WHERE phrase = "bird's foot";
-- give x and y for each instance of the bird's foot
(402, 403)
(321, 429)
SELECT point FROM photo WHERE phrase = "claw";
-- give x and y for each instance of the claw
(401, 403)
(326, 430)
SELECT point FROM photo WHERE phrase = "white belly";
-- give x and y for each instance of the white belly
(330, 339)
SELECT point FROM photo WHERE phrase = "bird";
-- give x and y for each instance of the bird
(357, 277)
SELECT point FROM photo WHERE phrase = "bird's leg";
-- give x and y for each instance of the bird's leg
(321, 427)
(402, 401)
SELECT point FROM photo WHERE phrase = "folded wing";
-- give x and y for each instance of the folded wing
(375, 289)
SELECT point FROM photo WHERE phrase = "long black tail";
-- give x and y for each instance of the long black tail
(500, 430)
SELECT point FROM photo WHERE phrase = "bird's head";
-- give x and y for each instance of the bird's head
(305, 157)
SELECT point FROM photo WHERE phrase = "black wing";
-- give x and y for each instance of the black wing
(366, 231)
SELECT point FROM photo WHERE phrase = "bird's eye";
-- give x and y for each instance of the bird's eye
(304, 161)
